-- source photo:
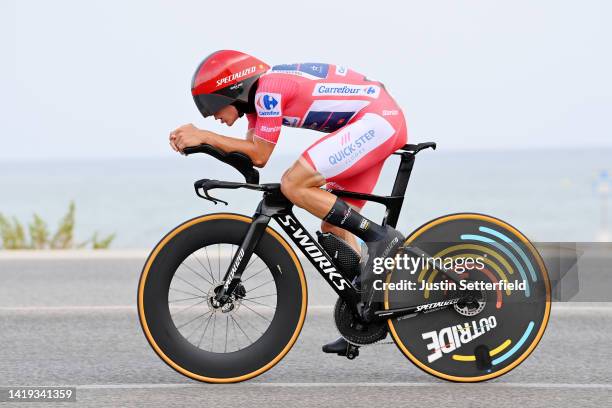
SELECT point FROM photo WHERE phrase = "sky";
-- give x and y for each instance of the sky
(97, 79)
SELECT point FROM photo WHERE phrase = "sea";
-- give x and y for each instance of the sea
(549, 195)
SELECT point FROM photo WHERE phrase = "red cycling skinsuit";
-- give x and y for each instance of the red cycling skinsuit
(364, 123)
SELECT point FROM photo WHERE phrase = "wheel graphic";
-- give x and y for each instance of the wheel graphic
(490, 333)
(202, 339)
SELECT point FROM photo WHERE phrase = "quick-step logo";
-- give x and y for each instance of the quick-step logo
(352, 149)
(313, 252)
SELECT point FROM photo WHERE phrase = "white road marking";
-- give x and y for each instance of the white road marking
(42, 309)
(105, 308)
(73, 254)
(557, 308)
(356, 384)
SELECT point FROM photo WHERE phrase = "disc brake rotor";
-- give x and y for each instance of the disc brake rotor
(471, 307)
(231, 305)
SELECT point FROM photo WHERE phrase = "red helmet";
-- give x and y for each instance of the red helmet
(224, 78)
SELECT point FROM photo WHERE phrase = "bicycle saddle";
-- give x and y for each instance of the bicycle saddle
(415, 148)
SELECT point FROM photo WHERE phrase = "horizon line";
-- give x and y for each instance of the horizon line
(173, 155)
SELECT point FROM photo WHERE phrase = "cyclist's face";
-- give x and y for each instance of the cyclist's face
(227, 115)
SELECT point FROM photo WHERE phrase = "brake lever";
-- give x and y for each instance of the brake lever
(214, 199)
(208, 197)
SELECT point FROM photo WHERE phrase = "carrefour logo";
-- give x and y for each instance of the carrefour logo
(371, 91)
(268, 101)
(351, 147)
(268, 104)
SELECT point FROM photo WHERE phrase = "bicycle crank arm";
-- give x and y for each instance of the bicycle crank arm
(411, 311)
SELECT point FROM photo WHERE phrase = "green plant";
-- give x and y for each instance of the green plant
(63, 238)
(39, 233)
(13, 236)
(12, 232)
(103, 243)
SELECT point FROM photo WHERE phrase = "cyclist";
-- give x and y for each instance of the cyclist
(364, 125)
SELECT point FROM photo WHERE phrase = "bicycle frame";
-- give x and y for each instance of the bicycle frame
(275, 205)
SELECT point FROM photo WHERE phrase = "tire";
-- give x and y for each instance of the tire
(500, 336)
(178, 259)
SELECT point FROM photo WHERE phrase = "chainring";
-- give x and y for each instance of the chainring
(353, 330)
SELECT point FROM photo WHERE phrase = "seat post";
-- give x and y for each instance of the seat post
(399, 189)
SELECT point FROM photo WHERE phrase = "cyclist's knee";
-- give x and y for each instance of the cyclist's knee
(292, 187)
(287, 185)
(297, 180)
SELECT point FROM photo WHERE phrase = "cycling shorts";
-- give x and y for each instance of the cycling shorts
(352, 157)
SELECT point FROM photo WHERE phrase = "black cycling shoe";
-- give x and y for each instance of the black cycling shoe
(386, 247)
(338, 346)
(343, 348)
(382, 248)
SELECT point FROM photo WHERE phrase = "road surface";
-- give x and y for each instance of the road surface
(72, 321)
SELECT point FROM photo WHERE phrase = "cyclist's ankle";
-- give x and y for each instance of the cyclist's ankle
(343, 216)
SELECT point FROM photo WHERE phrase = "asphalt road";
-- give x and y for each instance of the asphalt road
(73, 322)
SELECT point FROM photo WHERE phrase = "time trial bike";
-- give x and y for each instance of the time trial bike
(222, 297)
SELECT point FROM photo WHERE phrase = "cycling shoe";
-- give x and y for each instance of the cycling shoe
(385, 247)
(338, 346)
(343, 348)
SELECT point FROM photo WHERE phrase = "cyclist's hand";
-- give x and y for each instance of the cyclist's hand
(187, 136)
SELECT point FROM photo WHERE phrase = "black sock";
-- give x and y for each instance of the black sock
(345, 217)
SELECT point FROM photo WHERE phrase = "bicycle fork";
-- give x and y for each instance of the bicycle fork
(241, 259)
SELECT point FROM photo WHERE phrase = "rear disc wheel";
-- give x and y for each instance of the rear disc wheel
(485, 336)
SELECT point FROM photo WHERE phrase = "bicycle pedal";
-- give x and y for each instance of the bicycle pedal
(352, 352)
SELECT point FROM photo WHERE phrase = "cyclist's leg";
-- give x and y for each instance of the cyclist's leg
(357, 153)
(342, 233)
(342, 154)
(360, 183)
(301, 182)
(362, 178)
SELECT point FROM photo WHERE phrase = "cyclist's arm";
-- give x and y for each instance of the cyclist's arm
(264, 125)
(251, 126)
(257, 149)
(263, 133)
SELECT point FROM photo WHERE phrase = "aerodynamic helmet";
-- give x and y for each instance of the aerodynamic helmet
(225, 78)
